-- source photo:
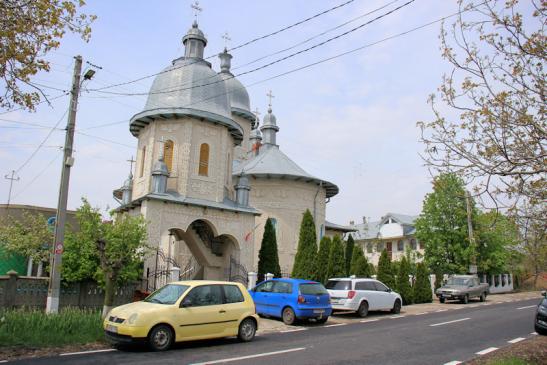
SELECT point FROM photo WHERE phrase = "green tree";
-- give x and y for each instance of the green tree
(385, 273)
(442, 225)
(360, 267)
(336, 267)
(403, 284)
(322, 261)
(118, 246)
(268, 259)
(350, 244)
(497, 235)
(28, 236)
(30, 29)
(304, 262)
(422, 286)
(439, 275)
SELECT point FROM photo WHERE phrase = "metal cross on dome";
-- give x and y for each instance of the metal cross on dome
(227, 39)
(270, 96)
(131, 164)
(197, 9)
(257, 115)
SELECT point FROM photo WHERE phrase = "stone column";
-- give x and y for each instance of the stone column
(252, 276)
(29, 266)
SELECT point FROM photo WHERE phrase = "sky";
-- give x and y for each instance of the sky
(351, 120)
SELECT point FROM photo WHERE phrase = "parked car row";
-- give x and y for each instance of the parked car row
(198, 309)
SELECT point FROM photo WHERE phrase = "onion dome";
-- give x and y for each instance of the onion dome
(189, 87)
(238, 97)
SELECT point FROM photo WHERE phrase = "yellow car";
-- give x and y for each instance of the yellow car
(185, 311)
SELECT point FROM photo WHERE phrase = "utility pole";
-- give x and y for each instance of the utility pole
(473, 263)
(52, 304)
(12, 179)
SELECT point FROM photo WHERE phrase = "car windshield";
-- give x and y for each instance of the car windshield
(168, 294)
(339, 285)
(457, 281)
(313, 289)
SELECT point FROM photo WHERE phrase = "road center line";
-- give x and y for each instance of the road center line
(515, 340)
(528, 306)
(486, 351)
(250, 356)
(335, 325)
(86, 352)
(454, 321)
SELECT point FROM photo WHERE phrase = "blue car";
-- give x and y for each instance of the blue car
(292, 299)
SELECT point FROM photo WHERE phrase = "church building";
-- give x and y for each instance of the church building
(208, 175)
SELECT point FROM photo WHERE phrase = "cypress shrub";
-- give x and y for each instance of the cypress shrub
(304, 261)
(350, 244)
(438, 277)
(422, 287)
(323, 259)
(268, 259)
(403, 285)
(360, 267)
(337, 264)
(385, 273)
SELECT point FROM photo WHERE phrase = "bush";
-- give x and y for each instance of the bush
(422, 287)
(304, 262)
(35, 328)
(385, 273)
(403, 285)
(337, 264)
(360, 266)
(268, 259)
(350, 244)
(322, 261)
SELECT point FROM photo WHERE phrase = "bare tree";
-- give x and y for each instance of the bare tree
(496, 90)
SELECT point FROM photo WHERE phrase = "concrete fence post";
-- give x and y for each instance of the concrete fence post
(269, 276)
(11, 289)
(252, 276)
(175, 273)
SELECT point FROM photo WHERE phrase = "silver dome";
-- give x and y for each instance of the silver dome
(189, 87)
(238, 97)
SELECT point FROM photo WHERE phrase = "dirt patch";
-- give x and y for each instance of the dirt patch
(533, 351)
(19, 352)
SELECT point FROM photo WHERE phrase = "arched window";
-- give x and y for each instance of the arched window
(204, 160)
(413, 244)
(168, 148)
(143, 158)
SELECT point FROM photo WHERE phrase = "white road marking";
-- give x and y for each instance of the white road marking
(370, 320)
(250, 356)
(534, 333)
(454, 321)
(442, 310)
(396, 317)
(86, 352)
(455, 362)
(3, 361)
(419, 314)
(528, 306)
(486, 351)
(335, 325)
(294, 330)
(474, 306)
(515, 340)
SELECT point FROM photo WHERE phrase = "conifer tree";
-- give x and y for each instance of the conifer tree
(304, 262)
(350, 244)
(422, 287)
(403, 285)
(438, 278)
(385, 273)
(268, 259)
(337, 263)
(360, 267)
(323, 259)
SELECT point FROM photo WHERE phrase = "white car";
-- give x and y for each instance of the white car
(362, 295)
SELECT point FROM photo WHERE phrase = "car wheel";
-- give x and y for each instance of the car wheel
(288, 316)
(161, 338)
(396, 307)
(483, 297)
(363, 310)
(442, 300)
(540, 330)
(465, 299)
(247, 330)
(322, 319)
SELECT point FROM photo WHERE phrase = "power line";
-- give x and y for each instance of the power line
(39, 174)
(38, 103)
(42, 143)
(236, 47)
(105, 139)
(268, 64)
(27, 123)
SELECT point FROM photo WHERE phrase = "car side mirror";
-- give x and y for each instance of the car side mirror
(186, 302)
(389, 290)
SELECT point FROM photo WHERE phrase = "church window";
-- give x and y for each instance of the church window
(168, 148)
(204, 160)
(143, 158)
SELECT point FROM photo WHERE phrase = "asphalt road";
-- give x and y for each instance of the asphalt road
(432, 338)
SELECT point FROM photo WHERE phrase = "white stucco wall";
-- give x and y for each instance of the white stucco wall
(391, 230)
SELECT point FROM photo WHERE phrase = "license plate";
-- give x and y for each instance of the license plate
(318, 311)
(111, 328)
(448, 296)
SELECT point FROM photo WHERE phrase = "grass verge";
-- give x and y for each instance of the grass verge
(35, 328)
